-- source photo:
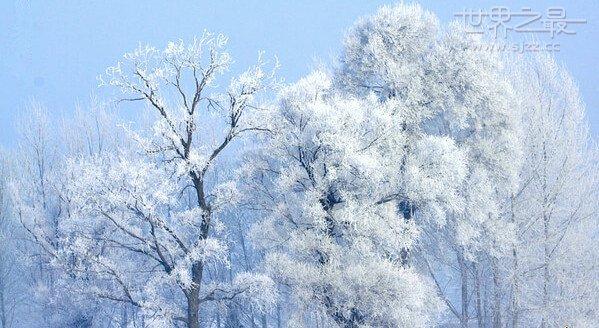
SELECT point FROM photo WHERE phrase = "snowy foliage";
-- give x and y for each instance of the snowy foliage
(555, 208)
(326, 182)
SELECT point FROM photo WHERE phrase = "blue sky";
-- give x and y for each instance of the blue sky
(52, 51)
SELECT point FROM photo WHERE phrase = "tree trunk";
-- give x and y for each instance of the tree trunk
(477, 287)
(124, 318)
(546, 248)
(496, 296)
(197, 268)
(464, 294)
(193, 308)
(485, 305)
(264, 321)
(193, 296)
(515, 292)
(279, 321)
(515, 275)
(2, 306)
(546, 277)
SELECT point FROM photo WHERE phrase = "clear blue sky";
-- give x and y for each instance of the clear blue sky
(53, 50)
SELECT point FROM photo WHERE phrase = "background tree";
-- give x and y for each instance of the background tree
(11, 291)
(553, 272)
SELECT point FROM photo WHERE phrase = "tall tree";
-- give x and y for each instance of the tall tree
(141, 221)
(325, 181)
(554, 279)
(439, 84)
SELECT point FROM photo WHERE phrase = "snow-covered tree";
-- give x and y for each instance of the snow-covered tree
(553, 272)
(440, 85)
(11, 296)
(36, 190)
(38, 207)
(141, 221)
(336, 227)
